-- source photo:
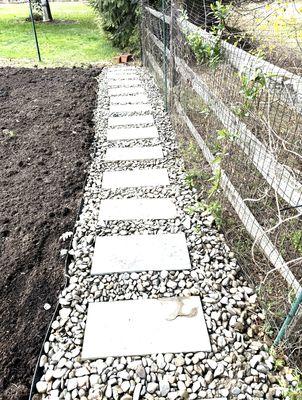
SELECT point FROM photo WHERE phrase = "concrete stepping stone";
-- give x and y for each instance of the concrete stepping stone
(133, 253)
(124, 83)
(131, 120)
(135, 178)
(141, 327)
(123, 76)
(129, 108)
(135, 99)
(127, 209)
(149, 132)
(120, 91)
(122, 71)
(133, 153)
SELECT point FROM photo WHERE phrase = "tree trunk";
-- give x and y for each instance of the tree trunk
(47, 17)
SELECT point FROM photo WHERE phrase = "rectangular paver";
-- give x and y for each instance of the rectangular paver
(148, 132)
(131, 120)
(120, 91)
(134, 99)
(140, 253)
(135, 178)
(122, 71)
(129, 108)
(141, 327)
(124, 83)
(121, 76)
(133, 153)
(127, 209)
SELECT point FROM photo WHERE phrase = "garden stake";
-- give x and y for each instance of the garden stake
(34, 30)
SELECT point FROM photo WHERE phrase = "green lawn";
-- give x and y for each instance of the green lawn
(73, 38)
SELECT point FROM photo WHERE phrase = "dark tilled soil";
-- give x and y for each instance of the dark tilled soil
(46, 131)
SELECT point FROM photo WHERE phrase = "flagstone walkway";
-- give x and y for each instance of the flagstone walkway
(155, 306)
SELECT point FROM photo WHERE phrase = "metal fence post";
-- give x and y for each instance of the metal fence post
(141, 28)
(34, 30)
(165, 67)
(172, 60)
(290, 316)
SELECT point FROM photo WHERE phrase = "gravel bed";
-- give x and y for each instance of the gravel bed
(239, 365)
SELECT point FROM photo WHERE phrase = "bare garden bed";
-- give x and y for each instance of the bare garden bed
(46, 132)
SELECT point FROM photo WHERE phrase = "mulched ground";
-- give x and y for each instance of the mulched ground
(46, 131)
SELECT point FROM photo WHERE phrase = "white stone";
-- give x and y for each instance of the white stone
(140, 327)
(126, 209)
(137, 391)
(124, 83)
(152, 387)
(131, 120)
(135, 99)
(72, 384)
(140, 253)
(121, 91)
(125, 386)
(148, 132)
(164, 387)
(41, 387)
(129, 108)
(135, 178)
(133, 153)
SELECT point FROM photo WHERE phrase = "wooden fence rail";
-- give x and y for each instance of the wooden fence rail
(285, 84)
(277, 175)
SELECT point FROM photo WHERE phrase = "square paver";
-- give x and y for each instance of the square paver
(148, 132)
(122, 72)
(140, 253)
(124, 83)
(121, 76)
(141, 327)
(135, 178)
(133, 153)
(135, 99)
(120, 91)
(129, 108)
(127, 209)
(131, 120)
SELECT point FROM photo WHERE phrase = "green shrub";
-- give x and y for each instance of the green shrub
(119, 19)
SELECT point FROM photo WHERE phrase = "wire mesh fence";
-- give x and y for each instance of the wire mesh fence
(231, 76)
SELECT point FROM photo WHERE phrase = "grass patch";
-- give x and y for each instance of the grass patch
(73, 38)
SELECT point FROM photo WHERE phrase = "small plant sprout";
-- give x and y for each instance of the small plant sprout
(206, 53)
(215, 182)
(215, 209)
(191, 178)
(198, 207)
(221, 12)
(9, 133)
(293, 392)
(205, 111)
(209, 51)
(279, 363)
(183, 14)
(296, 239)
(224, 134)
(252, 86)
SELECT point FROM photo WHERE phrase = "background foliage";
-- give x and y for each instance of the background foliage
(119, 19)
